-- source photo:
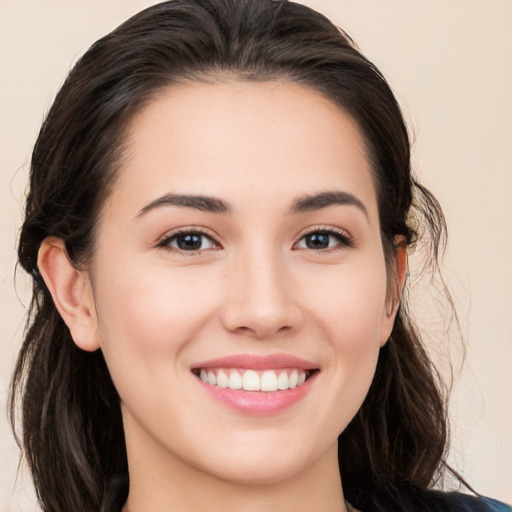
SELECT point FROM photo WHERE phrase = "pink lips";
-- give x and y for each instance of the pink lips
(255, 362)
(258, 402)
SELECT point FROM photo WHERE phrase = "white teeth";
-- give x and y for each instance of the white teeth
(222, 379)
(211, 378)
(282, 381)
(293, 379)
(269, 381)
(235, 380)
(251, 381)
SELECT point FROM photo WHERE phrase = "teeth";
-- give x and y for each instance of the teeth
(250, 380)
(283, 381)
(212, 379)
(235, 380)
(269, 381)
(294, 378)
(222, 379)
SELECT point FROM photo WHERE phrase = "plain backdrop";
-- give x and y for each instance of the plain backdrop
(450, 65)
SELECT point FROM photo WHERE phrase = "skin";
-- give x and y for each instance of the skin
(254, 287)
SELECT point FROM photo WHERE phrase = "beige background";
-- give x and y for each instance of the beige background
(450, 64)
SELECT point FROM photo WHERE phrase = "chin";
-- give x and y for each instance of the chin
(270, 465)
(248, 473)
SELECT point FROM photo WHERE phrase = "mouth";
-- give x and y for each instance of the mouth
(257, 385)
(271, 380)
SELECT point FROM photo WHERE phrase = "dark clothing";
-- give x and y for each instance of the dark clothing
(431, 501)
(458, 502)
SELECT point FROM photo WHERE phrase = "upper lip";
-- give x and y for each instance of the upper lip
(258, 362)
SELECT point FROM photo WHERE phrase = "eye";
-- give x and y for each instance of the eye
(189, 241)
(322, 239)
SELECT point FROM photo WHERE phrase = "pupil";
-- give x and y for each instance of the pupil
(189, 242)
(317, 241)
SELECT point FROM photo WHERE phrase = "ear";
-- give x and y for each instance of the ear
(71, 292)
(398, 275)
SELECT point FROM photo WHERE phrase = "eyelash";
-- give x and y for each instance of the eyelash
(343, 240)
(168, 239)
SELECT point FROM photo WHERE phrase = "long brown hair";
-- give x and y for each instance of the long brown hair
(72, 431)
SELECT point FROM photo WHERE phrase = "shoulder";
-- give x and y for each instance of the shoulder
(459, 502)
(497, 506)
(429, 500)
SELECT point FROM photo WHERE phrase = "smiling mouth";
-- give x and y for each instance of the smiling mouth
(253, 380)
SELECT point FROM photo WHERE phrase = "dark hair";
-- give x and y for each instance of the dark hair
(72, 429)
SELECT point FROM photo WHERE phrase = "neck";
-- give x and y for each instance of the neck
(160, 481)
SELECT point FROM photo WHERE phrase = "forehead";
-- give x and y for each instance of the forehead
(243, 139)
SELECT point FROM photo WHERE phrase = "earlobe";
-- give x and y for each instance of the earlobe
(395, 293)
(71, 292)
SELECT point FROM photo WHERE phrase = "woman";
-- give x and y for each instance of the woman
(217, 226)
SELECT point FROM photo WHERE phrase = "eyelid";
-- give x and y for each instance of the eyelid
(346, 239)
(164, 240)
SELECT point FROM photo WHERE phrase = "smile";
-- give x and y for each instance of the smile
(257, 385)
(252, 380)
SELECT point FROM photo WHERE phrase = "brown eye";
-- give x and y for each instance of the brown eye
(318, 240)
(323, 239)
(189, 241)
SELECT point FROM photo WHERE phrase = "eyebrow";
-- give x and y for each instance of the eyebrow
(302, 204)
(321, 200)
(197, 202)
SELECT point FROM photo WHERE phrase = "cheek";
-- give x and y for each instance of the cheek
(349, 307)
(149, 315)
(351, 303)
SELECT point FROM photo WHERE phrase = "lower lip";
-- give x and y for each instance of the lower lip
(262, 403)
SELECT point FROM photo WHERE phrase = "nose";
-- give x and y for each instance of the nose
(260, 299)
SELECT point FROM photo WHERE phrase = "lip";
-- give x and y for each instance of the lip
(258, 403)
(258, 362)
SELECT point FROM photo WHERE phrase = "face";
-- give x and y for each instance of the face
(240, 248)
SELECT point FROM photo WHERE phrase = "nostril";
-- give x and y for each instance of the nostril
(260, 319)
(262, 331)
(244, 330)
